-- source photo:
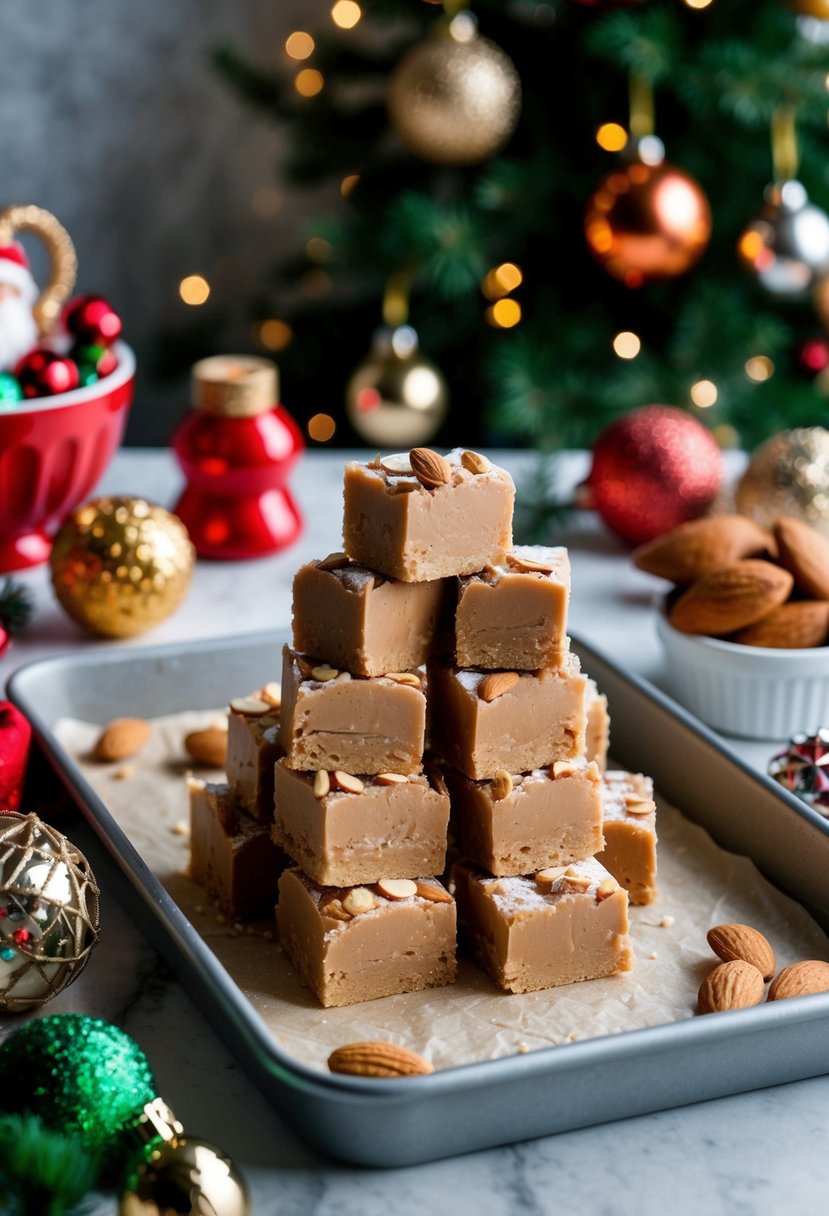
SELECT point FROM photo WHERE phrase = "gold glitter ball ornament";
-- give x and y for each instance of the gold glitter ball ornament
(48, 912)
(121, 565)
(788, 475)
(183, 1177)
(455, 98)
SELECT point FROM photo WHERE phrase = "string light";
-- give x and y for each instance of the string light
(504, 314)
(501, 280)
(321, 427)
(346, 14)
(704, 394)
(299, 45)
(627, 345)
(611, 136)
(316, 284)
(698, 3)
(309, 82)
(194, 289)
(759, 368)
(266, 201)
(348, 184)
(274, 334)
(318, 249)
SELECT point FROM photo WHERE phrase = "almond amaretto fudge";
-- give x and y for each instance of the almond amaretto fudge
(253, 749)
(629, 854)
(597, 735)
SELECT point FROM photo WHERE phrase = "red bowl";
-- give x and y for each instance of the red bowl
(53, 451)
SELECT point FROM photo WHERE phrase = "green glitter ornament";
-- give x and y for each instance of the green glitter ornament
(81, 1076)
(10, 391)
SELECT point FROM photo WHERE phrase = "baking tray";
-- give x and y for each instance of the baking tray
(475, 1106)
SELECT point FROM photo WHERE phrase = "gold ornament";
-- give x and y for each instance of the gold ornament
(121, 565)
(183, 1177)
(48, 912)
(455, 98)
(788, 475)
(63, 261)
(811, 8)
(396, 398)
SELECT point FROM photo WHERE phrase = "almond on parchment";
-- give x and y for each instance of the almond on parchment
(430, 468)
(731, 598)
(805, 553)
(795, 626)
(207, 747)
(377, 1060)
(496, 684)
(120, 738)
(732, 985)
(701, 546)
(800, 979)
(735, 941)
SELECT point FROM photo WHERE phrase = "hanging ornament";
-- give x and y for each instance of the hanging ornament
(811, 8)
(396, 398)
(788, 475)
(48, 912)
(812, 356)
(15, 738)
(653, 469)
(455, 98)
(121, 565)
(91, 321)
(803, 769)
(28, 314)
(42, 373)
(85, 1078)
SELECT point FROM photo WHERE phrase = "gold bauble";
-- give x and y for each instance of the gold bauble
(788, 475)
(396, 398)
(183, 1177)
(121, 565)
(455, 98)
(811, 8)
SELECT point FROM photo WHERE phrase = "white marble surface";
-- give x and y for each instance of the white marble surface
(754, 1153)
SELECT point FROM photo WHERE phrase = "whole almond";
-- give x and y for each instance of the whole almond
(334, 561)
(734, 941)
(733, 985)
(474, 462)
(794, 626)
(430, 468)
(702, 546)
(729, 599)
(800, 979)
(805, 553)
(359, 899)
(501, 785)
(496, 684)
(208, 747)
(120, 738)
(377, 1060)
(437, 895)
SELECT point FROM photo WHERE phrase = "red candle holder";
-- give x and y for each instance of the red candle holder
(237, 448)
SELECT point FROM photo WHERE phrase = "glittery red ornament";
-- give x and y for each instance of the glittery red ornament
(42, 374)
(92, 321)
(15, 737)
(813, 355)
(653, 469)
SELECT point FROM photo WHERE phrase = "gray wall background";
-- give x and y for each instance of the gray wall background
(113, 118)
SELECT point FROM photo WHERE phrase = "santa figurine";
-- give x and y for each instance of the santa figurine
(18, 293)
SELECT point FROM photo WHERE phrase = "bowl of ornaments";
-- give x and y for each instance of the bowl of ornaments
(745, 628)
(66, 386)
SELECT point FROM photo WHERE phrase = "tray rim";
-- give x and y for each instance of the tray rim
(194, 953)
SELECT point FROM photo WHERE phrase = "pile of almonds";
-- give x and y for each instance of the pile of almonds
(737, 581)
(739, 981)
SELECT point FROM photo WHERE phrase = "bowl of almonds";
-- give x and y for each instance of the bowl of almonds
(746, 626)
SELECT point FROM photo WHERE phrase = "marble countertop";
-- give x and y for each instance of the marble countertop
(753, 1153)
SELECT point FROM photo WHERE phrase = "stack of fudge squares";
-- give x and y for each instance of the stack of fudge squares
(430, 628)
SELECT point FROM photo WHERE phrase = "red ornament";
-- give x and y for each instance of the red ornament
(15, 737)
(236, 448)
(813, 355)
(42, 373)
(92, 321)
(653, 469)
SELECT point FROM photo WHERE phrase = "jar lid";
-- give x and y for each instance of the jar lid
(236, 386)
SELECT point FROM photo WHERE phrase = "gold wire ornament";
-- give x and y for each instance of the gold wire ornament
(63, 261)
(49, 916)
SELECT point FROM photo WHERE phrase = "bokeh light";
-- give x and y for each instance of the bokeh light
(704, 394)
(299, 45)
(627, 345)
(194, 289)
(759, 368)
(346, 14)
(309, 82)
(321, 427)
(611, 136)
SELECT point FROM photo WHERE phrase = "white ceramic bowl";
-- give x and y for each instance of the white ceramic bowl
(750, 691)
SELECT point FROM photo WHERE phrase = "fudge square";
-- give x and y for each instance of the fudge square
(232, 855)
(360, 943)
(481, 722)
(597, 735)
(416, 527)
(516, 824)
(343, 830)
(514, 615)
(630, 834)
(558, 927)
(253, 749)
(361, 621)
(332, 720)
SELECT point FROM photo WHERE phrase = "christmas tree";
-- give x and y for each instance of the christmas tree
(555, 269)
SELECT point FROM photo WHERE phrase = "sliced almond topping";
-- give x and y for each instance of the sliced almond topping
(496, 684)
(359, 899)
(250, 707)
(575, 880)
(563, 768)
(634, 805)
(430, 468)
(403, 677)
(501, 785)
(437, 895)
(397, 462)
(550, 875)
(343, 677)
(324, 673)
(391, 779)
(272, 693)
(334, 908)
(605, 889)
(526, 565)
(397, 888)
(322, 784)
(345, 781)
(334, 561)
(474, 462)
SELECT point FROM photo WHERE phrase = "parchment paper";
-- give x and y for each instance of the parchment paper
(700, 885)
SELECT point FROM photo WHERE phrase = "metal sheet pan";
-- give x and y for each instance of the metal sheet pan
(390, 1123)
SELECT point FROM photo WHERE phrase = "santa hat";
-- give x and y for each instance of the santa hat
(14, 270)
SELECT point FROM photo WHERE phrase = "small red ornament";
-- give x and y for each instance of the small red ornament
(15, 737)
(236, 448)
(813, 355)
(92, 321)
(653, 469)
(42, 373)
